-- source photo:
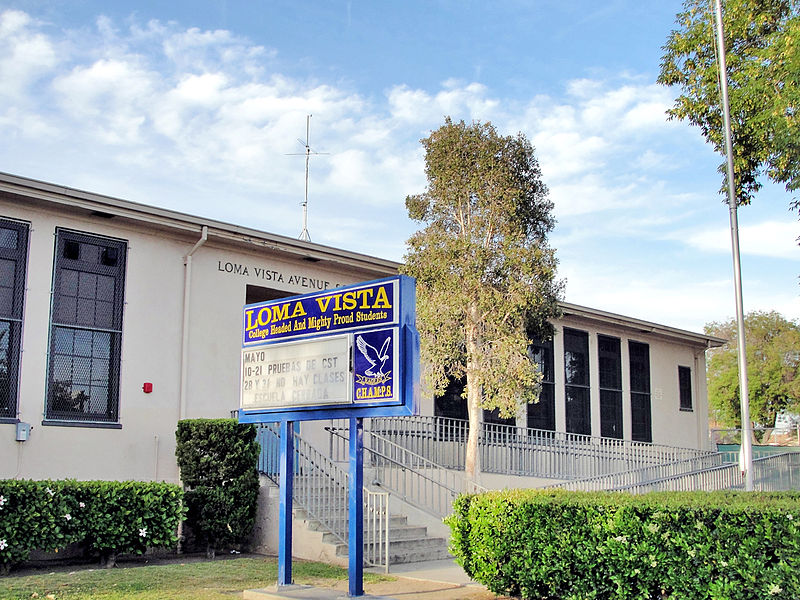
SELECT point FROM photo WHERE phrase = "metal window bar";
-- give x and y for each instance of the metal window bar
(86, 328)
(13, 267)
(411, 477)
(321, 490)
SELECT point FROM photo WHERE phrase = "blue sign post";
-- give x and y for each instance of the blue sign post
(351, 352)
(286, 473)
(355, 547)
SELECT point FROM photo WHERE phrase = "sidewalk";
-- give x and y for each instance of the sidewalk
(432, 580)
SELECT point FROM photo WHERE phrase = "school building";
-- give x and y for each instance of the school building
(119, 319)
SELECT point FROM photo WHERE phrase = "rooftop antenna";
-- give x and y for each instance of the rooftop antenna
(304, 235)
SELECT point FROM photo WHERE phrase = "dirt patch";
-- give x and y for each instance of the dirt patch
(82, 564)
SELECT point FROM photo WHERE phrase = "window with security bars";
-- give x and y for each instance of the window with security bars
(576, 381)
(13, 259)
(610, 367)
(685, 387)
(542, 414)
(86, 328)
(641, 424)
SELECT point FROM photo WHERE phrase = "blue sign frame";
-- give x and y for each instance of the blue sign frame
(378, 315)
(378, 319)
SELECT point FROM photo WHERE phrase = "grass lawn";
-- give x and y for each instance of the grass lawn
(208, 580)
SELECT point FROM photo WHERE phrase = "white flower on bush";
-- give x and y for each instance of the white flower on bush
(143, 532)
(49, 491)
(3, 501)
(81, 504)
(775, 589)
(68, 516)
(790, 516)
(3, 544)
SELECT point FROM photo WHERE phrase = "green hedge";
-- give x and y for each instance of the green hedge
(108, 517)
(218, 459)
(580, 546)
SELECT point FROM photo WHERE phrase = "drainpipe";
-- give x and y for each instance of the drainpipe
(187, 299)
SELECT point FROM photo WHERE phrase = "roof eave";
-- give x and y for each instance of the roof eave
(641, 326)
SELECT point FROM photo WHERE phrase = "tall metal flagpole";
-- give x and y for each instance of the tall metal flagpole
(747, 426)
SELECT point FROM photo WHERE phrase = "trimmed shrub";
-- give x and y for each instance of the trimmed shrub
(108, 517)
(551, 544)
(218, 459)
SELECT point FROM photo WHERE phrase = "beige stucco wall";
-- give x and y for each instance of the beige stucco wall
(151, 334)
(144, 448)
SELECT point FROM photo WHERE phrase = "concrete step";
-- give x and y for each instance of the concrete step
(407, 543)
(408, 551)
(396, 534)
(342, 524)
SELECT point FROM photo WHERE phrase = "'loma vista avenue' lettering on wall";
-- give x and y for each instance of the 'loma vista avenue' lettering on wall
(243, 270)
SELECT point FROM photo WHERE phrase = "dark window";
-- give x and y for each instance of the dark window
(13, 259)
(641, 426)
(86, 328)
(576, 378)
(493, 417)
(685, 387)
(257, 293)
(452, 404)
(542, 415)
(610, 363)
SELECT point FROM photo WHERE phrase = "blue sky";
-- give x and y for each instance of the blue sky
(197, 106)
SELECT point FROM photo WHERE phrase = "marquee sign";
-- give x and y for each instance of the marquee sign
(350, 351)
(337, 310)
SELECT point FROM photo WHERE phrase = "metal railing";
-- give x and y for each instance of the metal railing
(409, 476)
(321, 490)
(774, 436)
(775, 473)
(511, 450)
(644, 476)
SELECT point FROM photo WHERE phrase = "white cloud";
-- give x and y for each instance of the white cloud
(769, 238)
(25, 55)
(468, 102)
(202, 121)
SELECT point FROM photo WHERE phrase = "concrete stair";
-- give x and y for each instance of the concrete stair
(408, 543)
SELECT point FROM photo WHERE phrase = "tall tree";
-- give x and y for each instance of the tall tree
(484, 269)
(773, 368)
(762, 40)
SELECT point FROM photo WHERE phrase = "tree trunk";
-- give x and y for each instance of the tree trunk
(108, 560)
(472, 466)
(472, 463)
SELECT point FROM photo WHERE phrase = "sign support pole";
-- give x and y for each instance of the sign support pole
(355, 549)
(286, 471)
